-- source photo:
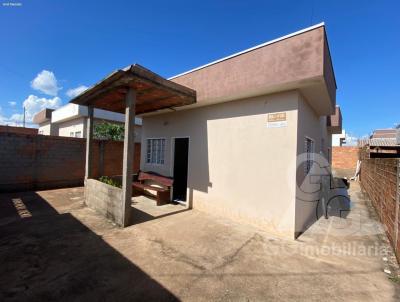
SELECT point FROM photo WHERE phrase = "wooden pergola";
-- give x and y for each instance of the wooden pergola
(133, 90)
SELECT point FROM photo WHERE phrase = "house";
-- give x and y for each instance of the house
(384, 133)
(383, 143)
(70, 120)
(43, 119)
(248, 136)
(246, 148)
(339, 140)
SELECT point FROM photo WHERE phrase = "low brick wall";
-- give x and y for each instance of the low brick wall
(30, 162)
(20, 130)
(344, 158)
(379, 179)
(104, 199)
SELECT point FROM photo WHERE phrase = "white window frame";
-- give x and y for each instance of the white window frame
(159, 155)
(310, 155)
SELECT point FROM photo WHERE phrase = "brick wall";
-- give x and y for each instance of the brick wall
(21, 130)
(379, 179)
(44, 162)
(344, 157)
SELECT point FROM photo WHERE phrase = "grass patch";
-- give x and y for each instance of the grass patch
(395, 279)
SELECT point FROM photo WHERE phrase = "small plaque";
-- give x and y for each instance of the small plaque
(277, 120)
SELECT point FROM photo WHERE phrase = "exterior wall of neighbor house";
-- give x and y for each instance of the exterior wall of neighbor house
(238, 167)
(308, 189)
(44, 128)
(74, 125)
(48, 128)
(79, 124)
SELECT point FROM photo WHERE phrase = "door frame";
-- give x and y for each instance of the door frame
(172, 161)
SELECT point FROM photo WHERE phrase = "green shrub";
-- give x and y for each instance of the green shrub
(109, 181)
(109, 131)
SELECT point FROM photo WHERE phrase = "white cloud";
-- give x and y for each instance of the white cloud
(33, 104)
(351, 140)
(12, 121)
(76, 91)
(16, 118)
(46, 83)
(12, 104)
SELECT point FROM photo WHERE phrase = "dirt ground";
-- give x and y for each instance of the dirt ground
(54, 248)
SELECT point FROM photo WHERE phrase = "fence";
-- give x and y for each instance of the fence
(42, 162)
(380, 180)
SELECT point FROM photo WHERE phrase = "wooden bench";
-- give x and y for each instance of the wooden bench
(163, 193)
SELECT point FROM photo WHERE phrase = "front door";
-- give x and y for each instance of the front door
(180, 168)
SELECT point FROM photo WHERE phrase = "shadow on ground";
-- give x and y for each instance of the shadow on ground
(47, 256)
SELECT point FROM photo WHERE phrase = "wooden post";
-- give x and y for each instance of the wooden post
(127, 165)
(89, 144)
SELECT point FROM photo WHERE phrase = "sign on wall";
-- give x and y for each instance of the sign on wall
(277, 120)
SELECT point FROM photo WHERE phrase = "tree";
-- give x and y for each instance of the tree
(109, 131)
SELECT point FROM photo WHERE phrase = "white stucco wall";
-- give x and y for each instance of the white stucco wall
(75, 125)
(47, 128)
(44, 128)
(238, 167)
(336, 138)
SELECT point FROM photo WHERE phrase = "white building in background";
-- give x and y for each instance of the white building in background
(339, 139)
(71, 119)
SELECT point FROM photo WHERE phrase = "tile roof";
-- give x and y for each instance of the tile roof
(378, 142)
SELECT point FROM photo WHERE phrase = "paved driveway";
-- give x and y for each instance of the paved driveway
(53, 248)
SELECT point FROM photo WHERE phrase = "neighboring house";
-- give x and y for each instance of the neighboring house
(339, 140)
(70, 120)
(383, 143)
(261, 117)
(43, 119)
(384, 133)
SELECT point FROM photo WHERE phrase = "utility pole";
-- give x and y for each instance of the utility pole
(24, 117)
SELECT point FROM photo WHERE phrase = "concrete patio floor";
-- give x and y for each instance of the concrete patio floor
(54, 248)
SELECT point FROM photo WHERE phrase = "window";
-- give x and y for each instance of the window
(78, 134)
(309, 150)
(155, 151)
(71, 134)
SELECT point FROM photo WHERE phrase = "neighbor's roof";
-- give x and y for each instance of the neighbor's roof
(378, 142)
(384, 133)
(42, 116)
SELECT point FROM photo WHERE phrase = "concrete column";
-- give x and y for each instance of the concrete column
(127, 165)
(89, 144)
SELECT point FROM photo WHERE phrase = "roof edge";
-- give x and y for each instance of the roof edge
(322, 24)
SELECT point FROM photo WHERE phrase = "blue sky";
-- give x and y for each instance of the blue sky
(76, 43)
